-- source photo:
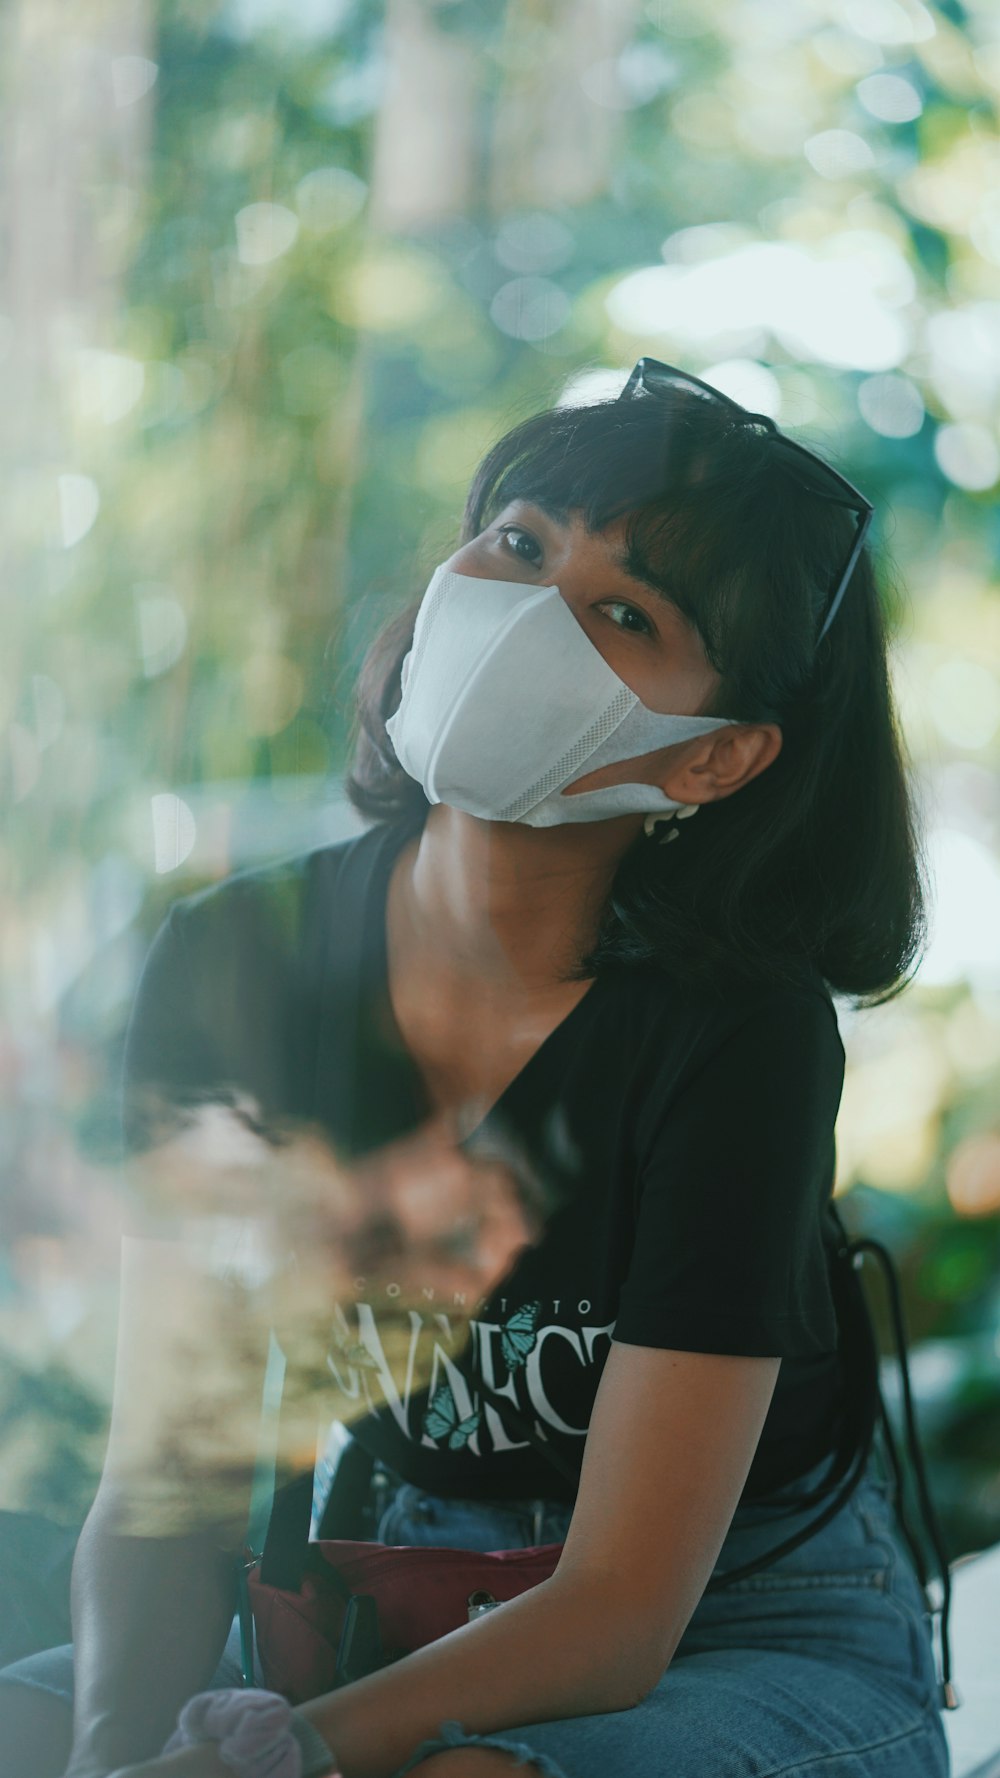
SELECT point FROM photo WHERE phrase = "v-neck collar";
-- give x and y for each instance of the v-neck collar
(367, 1083)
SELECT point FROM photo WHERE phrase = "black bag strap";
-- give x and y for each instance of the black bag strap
(286, 1554)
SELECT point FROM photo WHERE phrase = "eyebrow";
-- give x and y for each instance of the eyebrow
(627, 562)
(633, 568)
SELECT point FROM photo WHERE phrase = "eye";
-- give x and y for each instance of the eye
(521, 543)
(627, 617)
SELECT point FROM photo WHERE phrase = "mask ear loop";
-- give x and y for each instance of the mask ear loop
(653, 822)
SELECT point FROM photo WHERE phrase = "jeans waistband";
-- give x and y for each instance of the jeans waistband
(781, 1503)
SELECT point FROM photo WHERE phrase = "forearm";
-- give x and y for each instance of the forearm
(150, 1619)
(564, 1649)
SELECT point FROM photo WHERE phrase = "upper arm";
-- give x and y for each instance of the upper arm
(670, 1444)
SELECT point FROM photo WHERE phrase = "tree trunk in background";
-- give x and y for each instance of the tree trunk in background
(553, 144)
(69, 191)
(424, 163)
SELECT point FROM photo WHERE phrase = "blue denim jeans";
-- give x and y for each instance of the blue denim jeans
(821, 1663)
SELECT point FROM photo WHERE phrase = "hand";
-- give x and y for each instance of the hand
(257, 1732)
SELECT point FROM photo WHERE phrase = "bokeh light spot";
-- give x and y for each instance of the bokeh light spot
(838, 154)
(529, 308)
(968, 454)
(890, 97)
(161, 625)
(264, 232)
(174, 832)
(624, 82)
(973, 1177)
(109, 384)
(329, 198)
(889, 21)
(389, 290)
(891, 405)
(533, 241)
(79, 505)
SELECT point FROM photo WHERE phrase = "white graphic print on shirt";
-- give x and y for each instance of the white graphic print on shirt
(443, 1411)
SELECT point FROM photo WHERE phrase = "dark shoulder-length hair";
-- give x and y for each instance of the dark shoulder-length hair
(815, 864)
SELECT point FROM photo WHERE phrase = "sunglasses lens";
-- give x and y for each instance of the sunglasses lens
(811, 473)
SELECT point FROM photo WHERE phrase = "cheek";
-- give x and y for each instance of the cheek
(643, 670)
(661, 686)
(463, 560)
(480, 560)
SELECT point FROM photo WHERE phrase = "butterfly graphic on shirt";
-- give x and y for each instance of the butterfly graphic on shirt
(354, 1353)
(441, 1419)
(518, 1337)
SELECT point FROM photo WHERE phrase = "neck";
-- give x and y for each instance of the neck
(506, 903)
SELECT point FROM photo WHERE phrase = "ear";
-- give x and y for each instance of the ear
(715, 766)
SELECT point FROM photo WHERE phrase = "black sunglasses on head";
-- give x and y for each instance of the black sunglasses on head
(650, 376)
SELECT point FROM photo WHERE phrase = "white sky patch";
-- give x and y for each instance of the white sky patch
(746, 381)
(965, 931)
(598, 384)
(964, 701)
(839, 307)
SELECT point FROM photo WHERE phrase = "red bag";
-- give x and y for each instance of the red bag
(387, 1599)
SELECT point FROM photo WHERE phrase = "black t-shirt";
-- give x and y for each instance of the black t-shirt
(684, 1139)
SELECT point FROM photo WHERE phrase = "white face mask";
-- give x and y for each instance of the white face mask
(506, 702)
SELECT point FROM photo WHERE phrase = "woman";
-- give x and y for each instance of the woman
(658, 608)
